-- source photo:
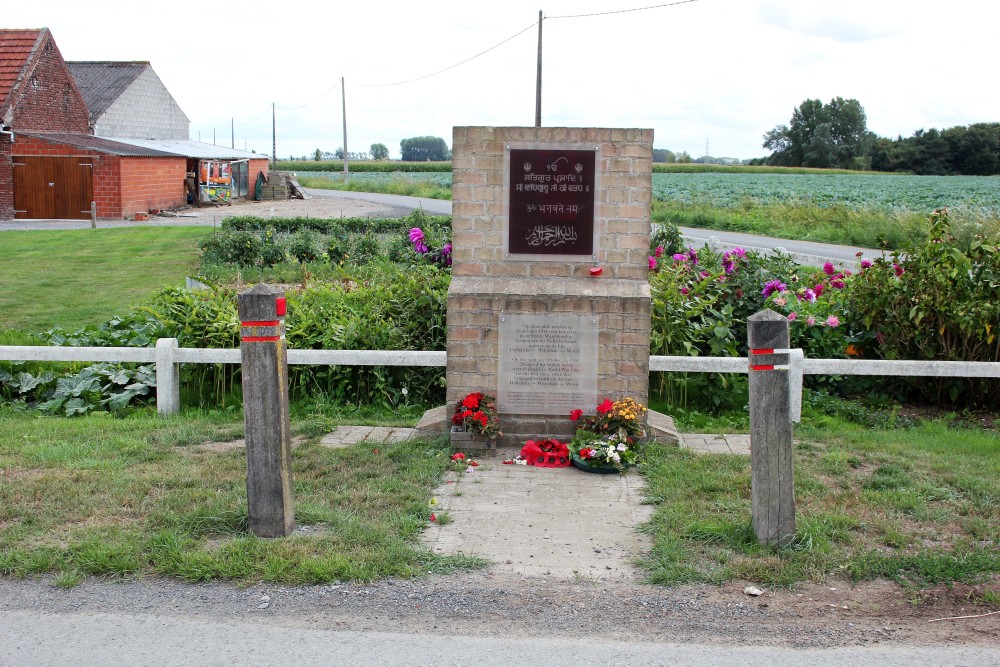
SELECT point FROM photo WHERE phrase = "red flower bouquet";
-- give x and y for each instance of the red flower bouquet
(477, 413)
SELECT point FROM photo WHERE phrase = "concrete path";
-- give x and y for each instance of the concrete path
(345, 436)
(552, 522)
(559, 522)
(707, 443)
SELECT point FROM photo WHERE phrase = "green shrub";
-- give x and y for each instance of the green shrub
(306, 246)
(936, 301)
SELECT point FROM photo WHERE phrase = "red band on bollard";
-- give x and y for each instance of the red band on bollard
(260, 339)
(763, 350)
(280, 306)
(764, 367)
(262, 323)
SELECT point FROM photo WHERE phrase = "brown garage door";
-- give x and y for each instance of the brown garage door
(53, 187)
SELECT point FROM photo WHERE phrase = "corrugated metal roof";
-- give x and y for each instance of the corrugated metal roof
(16, 46)
(103, 82)
(109, 146)
(196, 149)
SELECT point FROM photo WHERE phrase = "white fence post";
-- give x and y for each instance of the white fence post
(168, 377)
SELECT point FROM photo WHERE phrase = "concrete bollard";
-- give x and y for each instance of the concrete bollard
(265, 412)
(772, 492)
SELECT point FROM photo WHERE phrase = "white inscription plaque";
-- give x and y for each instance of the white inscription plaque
(547, 364)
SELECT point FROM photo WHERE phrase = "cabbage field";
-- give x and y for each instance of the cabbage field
(885, 192)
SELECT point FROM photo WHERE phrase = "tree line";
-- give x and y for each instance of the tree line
(836, 135)
(414, 149)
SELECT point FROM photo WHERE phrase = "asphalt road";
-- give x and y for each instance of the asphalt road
(43, 639)
(807, 252)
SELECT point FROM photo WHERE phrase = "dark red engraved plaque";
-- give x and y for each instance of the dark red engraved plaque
(551, 202)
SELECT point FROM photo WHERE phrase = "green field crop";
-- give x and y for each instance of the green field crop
(440, 179)
(885, 192)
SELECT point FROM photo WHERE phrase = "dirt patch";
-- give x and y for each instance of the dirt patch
(232, 445)
(487, 603)
(321, 206)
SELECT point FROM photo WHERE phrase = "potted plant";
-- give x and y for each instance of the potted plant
(475, 426)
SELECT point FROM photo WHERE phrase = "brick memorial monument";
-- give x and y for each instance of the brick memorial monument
(549, 304)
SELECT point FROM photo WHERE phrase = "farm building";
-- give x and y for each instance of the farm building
(127, 99)
(53, 166)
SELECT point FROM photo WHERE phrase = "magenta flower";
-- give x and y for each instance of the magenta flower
(833, 321)
(420, 247)
(866, 264)
(416, 234)
(692, 255)
(652, 262)
(818, 289)
(837, 284)
(828, 269)
(810, 320)
(659, 251)
(898, 269)
(684, 290)
(807, 295)
(772, 286)
(739, 252)
(680, 257)
(792, 316)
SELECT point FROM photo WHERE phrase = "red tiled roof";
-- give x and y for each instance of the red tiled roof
(16, 46)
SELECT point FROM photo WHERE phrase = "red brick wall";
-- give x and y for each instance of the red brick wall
(149, 183)
(123, 186)
(6, 180)
(255, 167)
(49, 99)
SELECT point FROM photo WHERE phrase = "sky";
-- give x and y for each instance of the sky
(703, 74)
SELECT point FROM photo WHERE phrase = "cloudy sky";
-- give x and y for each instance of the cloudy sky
(715, 72)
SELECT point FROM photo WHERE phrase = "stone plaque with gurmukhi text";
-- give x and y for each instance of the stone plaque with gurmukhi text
(547, 364)
(549, 195)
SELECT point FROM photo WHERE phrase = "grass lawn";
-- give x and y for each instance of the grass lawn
(919, 505)
(139, 495)
(101, 495)
(73, 278)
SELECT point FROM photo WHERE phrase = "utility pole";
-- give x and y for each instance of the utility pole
(232, 133)
(274, 141)
(538, 76)
(343, 102)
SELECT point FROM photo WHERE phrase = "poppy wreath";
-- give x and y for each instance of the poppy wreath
(548, 453)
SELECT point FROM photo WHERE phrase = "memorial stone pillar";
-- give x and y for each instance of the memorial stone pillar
(549, 304)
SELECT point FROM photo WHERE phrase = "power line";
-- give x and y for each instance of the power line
(441, 71)
(623, 11)
(471, 58)
(328, 91)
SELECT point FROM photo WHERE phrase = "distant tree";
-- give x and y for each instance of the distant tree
(822, 135)
(423, 149)
(339, 153)
(379, 151)
(683, 157)
(663, 155)
(317, 155)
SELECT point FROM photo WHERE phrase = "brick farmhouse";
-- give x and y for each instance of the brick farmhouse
(107, 133)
